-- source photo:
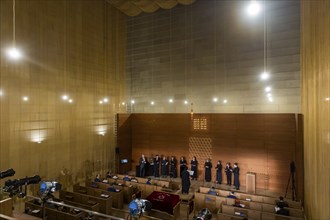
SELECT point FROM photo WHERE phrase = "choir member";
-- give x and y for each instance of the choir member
(236, 176)
(219, 172)
(193, 164)
(156, 166)
(228, 171)
(151, 170)
(208, 166)
(142, 166)
(164, 167)
(183, 165)
(173, 172)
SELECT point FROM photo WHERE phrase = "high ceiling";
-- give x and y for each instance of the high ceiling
(135, 7)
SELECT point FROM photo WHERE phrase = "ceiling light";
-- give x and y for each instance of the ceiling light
(253, 8)
(25, 98)
(123, 103)
(170, 100)
(269, 95)
(264, 76)
(105, 100)
(101, 102)
(327, 99)
(1, 93)
(70, 100)
(132, 102)
(65, 97)
(215, 99)
(268, 89)
(152, 103)
(14, 53)
(225, 101)
(185, 102)
(270, 99)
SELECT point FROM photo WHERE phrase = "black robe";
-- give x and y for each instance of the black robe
(208, 175)
(143, 167)
(173, 172)
(219, 173)
(194, 168)
(164, 167)
(183, 165)
(236, 177)
(228, 171)
(151, 170)
(156, 166)
(185, 181)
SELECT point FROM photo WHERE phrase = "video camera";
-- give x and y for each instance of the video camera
(14, 187)
(204, 214)
(7, 173)
(138, 206)
(47, 188)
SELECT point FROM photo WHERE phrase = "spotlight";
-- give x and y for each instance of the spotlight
(105, 100)
(152, 103)
(225, 101)
(25, 98)
(132, 102)
(254, 8)
(170, 100)
(215, 99)
(185, 102)
(264, 76)
(14, 53)
(268, 89)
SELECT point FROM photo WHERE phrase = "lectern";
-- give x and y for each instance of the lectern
(251, 182)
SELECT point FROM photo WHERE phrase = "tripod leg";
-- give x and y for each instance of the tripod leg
(287, 187)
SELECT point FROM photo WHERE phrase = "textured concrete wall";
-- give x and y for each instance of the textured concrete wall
(213, 49)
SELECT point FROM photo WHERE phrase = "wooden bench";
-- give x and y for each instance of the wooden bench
(6, 206)
(249, 213)
(105, 203)
(223, 216)
(273, 216)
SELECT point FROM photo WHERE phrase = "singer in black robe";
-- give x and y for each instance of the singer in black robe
(183, 165)
(164, 167)
(193, 164)
(185, 181)
(208, 166)
(143, 165)
(236, 176)
(219, 172)
(228, 171)
(156, 166)
(173, 172)
(151, 170)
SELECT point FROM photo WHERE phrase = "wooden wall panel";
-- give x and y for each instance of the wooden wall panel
(315, 89)
(260, 143)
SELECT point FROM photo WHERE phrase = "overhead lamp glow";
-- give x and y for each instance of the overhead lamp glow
(105, 100)
(185, 102)
(268, 89)
(123, 103)
(132, 102)
(70, 101)
(152, 103)
(215, 99)
(170, 100)
(225, 101)
(1, 93)
(253, 8)
(326, 99)
(25, 98)
(264, 76)
(269, 95)
(101, 102)
(14, 53)
(270, 99)
(65, 97)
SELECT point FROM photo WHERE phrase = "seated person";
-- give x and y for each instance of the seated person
(281, 211)
(98, 178)
(134, 180)
(238, 203)
(231, 195)
(109, 174)
(126, 178)
(112, 189)
(212, 191)
(281, 203)
(148, 181)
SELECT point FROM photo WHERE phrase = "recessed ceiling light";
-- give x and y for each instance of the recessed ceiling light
(25, 98)
(70, 100)
(152, 103)
(132, 102)
(327, 99)
(1, 93)
(225, 101)
(170, 100)
(185, 102)
(253, 8)
(269, 95)
(105, 100)
(101, 102)
(123, 103)
(65, 97)
(270, 99)
(14, 53)
(215, 99)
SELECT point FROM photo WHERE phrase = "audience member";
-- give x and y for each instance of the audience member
(281, 203)
(231, 195)
(212, 191)
(98, 178)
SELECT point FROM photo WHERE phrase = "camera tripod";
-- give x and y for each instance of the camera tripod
(293, 184)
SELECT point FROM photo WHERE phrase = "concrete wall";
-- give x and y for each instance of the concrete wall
(213, 49)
